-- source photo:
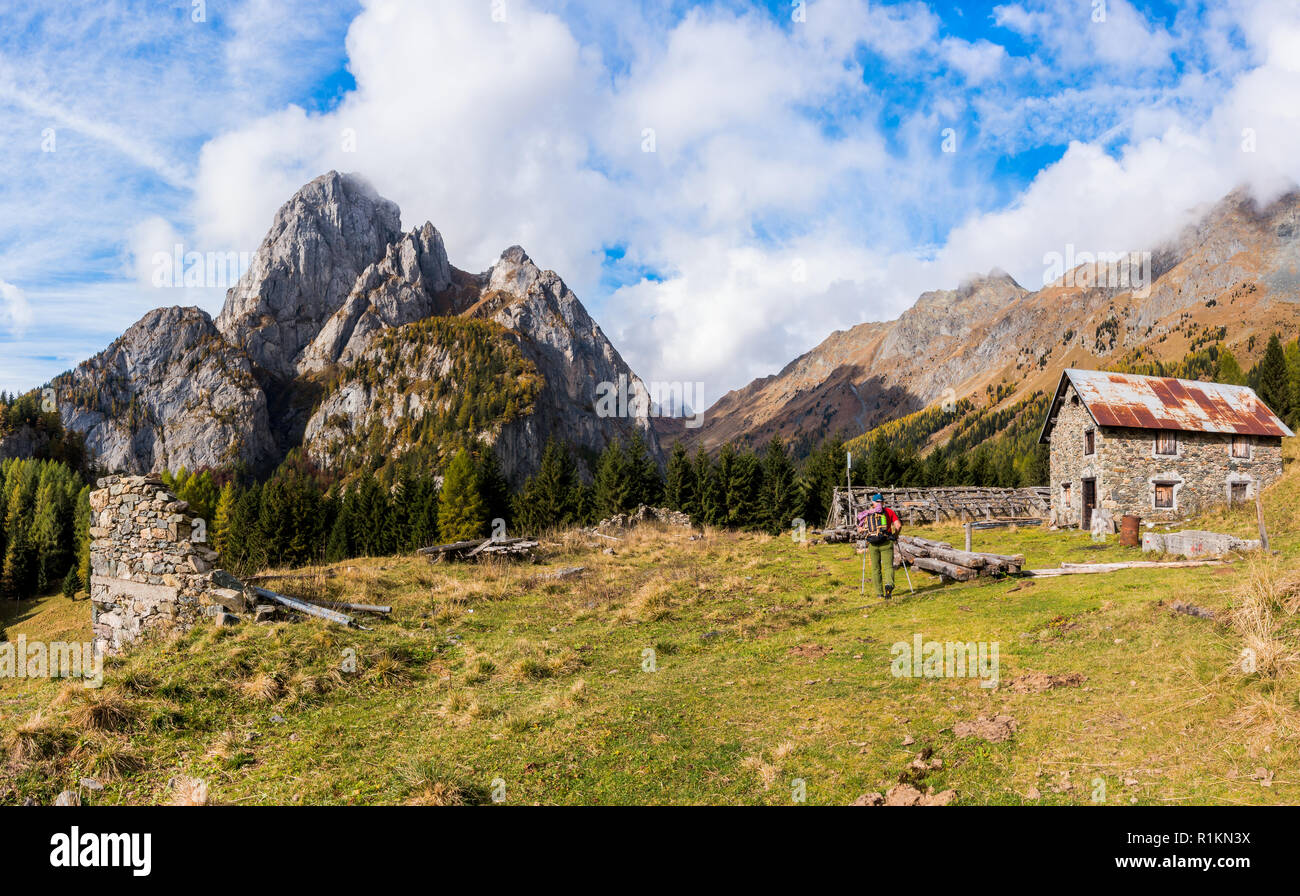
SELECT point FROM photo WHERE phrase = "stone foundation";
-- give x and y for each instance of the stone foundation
(152, 571)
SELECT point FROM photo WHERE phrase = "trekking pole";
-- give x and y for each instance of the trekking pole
(908, 574)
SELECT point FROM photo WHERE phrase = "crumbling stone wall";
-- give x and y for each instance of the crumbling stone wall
(151, 567)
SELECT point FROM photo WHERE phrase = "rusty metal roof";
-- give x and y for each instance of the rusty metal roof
(1162, 402)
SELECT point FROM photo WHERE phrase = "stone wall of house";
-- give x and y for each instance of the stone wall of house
(1126, 468)
(1202, 472)
(152, 570)
(1067, 462)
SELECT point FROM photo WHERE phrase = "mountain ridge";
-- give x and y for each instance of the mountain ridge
(1231, 276)
(284, 364)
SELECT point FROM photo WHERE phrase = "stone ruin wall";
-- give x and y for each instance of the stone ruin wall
(152, 571)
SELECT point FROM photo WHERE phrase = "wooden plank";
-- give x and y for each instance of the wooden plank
(453, 546)
(353, 608)
(302, 606)
(1078, 569)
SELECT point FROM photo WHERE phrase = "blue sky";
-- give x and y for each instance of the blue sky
(723, 184)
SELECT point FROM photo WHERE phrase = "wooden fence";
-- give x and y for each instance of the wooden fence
(933, 505)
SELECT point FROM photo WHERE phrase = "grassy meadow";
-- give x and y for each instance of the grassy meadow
(732, 668)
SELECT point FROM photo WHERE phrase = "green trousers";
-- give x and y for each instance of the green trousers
(882, 561)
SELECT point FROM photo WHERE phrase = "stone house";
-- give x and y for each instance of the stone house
(1158, 447)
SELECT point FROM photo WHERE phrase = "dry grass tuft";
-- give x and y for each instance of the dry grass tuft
(35, 739)
(386, 670)
(265, 687)
(110, 757)
(1266, 593)
(440, 793)
(227, 747)
(652, 602)
(190, 792)
(103, 710)
(765, 771)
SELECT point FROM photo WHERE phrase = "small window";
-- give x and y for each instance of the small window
(1164, 496)
(1241, 447)
(1237, 493)
(1167, 442)
(1090, 442)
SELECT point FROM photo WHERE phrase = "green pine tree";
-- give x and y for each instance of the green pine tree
(680, 491)
(646, 484)
(614, 492)
(780, 499)
(549, 499)
(462, 513)
(1230, 371)
(1274, 380)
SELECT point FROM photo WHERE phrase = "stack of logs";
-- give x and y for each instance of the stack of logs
(480, 547)
(949, 563)
(940, 558)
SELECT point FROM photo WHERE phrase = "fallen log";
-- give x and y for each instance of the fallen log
(353, 608)
(303, 606)
(493, 543)
(976, 563)
(1078, 569)
(950, 570)
(925, 542)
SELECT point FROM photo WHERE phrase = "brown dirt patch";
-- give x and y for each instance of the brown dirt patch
(1038, 682)
(907, 795)
(996, 729)
(810, 651)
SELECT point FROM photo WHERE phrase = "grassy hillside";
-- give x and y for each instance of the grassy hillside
(769, 667)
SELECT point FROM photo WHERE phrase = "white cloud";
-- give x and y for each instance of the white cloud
(1110, 33)
(771, 148)
(15, 312)
(516, 132)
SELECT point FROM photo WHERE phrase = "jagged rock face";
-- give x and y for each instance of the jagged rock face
(420, 387)
(573, 355)
(543, 323)
(1237, 267)
(334, 293)
(319, 244)
(412, 281)
(22, 442)
(169, 393)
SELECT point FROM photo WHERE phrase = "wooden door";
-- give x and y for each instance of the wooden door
(1089, 501)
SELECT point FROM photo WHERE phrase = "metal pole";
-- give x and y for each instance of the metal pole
(853, 517)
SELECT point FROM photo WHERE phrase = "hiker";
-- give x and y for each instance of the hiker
(881, 527)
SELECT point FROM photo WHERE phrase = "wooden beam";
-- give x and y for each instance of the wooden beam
(302, 606)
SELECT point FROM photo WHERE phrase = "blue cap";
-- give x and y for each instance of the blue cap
(877, 497)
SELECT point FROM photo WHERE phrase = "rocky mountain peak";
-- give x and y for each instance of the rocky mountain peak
(170, 392)
(513, 273)
(411, 282)
(319, 243)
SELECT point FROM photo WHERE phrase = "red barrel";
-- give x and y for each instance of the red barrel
(1128, 530)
